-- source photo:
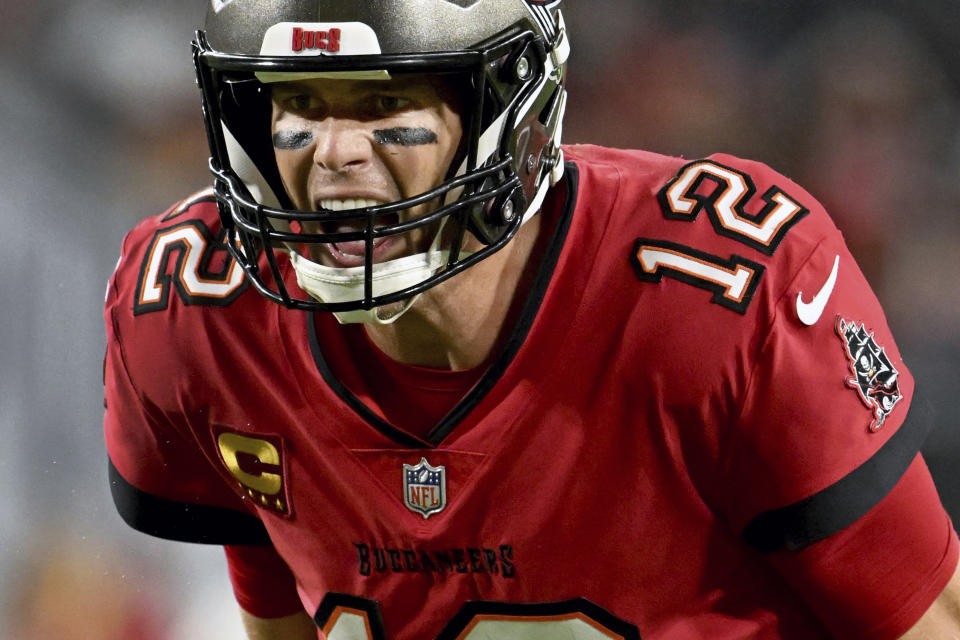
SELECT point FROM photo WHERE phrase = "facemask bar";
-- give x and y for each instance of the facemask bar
(247, 221)
(255, 228)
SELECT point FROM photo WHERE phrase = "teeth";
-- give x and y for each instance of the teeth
(349, 203)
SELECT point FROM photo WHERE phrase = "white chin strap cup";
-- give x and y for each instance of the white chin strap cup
(343, 284)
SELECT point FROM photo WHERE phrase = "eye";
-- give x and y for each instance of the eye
(300, 103)
(391, 104)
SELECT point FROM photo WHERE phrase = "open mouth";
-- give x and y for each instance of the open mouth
(351, 253)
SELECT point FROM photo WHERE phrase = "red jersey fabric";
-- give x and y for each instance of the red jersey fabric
(262, 581)
(664, 448)
(411, 397)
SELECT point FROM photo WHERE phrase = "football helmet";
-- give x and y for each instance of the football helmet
(508, 56)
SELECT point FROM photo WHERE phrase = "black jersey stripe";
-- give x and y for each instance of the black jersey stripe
(492, 375)
(182, 521)
(397, 435)
(527, 314)
(827, 512)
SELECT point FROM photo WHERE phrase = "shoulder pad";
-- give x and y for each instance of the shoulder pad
(181, 253)
(730, 226)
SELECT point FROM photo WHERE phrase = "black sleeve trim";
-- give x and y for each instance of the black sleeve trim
(825, 513)
(181, 521)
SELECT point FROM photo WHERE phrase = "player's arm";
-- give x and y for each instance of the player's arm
(298, 626)
(820, 470)
(942, 619)
(266, 591)
(822, 473)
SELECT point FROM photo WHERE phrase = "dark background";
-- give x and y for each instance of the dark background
(100, 127)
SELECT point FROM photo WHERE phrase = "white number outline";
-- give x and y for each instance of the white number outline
(346, 617)
(725, 204)
(195, 246)
(732, 282)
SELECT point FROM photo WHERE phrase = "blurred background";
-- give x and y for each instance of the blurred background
(100, 127)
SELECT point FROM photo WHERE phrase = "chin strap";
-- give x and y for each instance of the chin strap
(346, 284)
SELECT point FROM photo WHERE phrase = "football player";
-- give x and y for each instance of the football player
(426, 373)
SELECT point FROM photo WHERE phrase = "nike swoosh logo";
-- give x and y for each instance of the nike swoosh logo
(810, 312)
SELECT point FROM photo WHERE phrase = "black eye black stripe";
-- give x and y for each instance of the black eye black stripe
(405, 136)
(292, 140)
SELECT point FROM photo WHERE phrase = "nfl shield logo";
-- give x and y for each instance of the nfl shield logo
(424, 488)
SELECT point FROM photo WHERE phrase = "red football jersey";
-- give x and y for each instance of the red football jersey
(698, 428)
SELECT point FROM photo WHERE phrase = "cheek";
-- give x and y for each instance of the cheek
(425, 160)
(417, 169)
(294, 173)
(292, 148)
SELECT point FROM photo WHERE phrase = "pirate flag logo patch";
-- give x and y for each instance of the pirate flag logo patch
(874, 376)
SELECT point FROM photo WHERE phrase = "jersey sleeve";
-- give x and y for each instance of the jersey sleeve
(876, 578)
(161, 481)
(824, 472)
(262, 582)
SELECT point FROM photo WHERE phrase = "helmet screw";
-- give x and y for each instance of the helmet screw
(531, 163)
(523, 68)
(508, 211)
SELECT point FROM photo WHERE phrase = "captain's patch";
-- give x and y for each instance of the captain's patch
(873, 375)
(256, 464)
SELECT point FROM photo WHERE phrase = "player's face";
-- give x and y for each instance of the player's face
(343, 144)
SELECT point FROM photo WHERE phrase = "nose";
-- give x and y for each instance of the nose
(342, 145)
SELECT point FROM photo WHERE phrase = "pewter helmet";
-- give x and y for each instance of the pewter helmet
(507, 60)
